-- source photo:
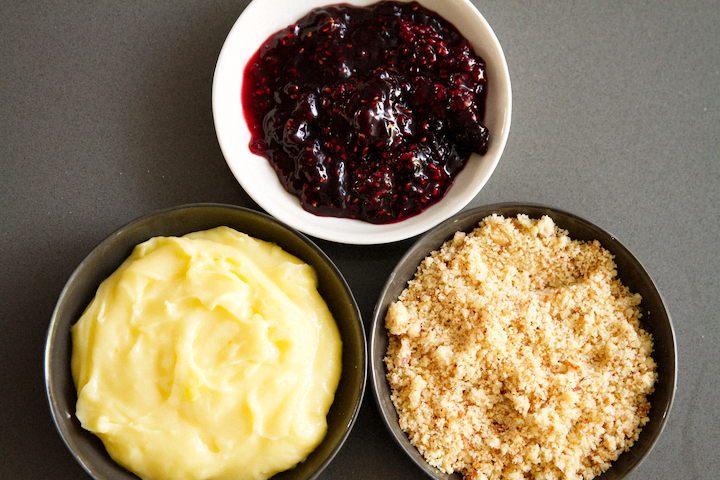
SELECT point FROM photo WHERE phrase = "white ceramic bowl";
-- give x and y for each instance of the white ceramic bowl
(263, 18)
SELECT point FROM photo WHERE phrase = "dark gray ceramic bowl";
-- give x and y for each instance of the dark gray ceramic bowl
(110, 253)
(656, 320)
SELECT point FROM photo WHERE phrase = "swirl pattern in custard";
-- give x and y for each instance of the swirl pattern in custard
(207, 356)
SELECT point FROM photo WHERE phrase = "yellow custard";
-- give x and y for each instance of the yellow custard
(207, 356)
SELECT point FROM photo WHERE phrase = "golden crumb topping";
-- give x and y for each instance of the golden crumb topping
(516, 352)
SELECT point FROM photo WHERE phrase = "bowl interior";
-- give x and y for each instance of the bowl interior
(110, 253)
(655, 319)
(261, 19)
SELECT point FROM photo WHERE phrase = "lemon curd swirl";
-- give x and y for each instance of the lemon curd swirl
(207, 356)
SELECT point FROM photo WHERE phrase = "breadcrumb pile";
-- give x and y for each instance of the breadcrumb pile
(516, 353)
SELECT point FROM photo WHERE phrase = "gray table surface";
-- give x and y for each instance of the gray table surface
(105, 115)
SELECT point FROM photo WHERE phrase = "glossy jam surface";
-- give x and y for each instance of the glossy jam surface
(366, 112)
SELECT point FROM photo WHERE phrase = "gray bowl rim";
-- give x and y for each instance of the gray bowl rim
(110, 470)
(466, 221)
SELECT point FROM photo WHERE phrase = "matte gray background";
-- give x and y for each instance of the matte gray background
(105, 115)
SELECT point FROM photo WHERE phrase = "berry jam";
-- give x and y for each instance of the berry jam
(366, 112)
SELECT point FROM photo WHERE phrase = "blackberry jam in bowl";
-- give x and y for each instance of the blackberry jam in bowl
(362, 122)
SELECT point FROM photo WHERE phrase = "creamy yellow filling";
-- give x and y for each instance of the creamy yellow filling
(207, 356)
